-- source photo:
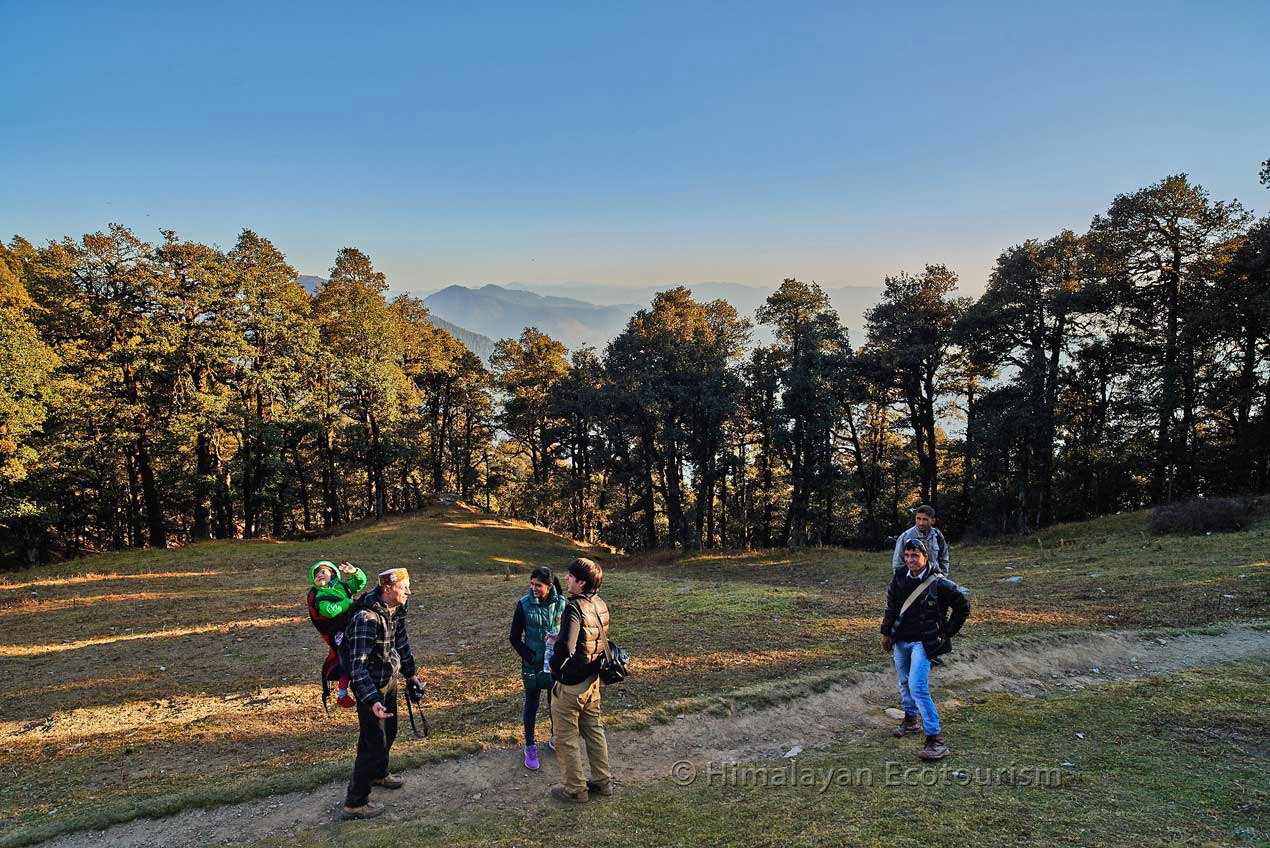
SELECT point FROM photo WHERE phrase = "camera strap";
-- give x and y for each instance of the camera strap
(410, 710)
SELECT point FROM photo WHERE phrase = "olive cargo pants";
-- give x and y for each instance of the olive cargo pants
(575, 710)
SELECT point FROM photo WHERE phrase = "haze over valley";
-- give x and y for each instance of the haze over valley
(578, 313)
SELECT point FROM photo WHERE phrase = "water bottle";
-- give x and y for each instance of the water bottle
(546, 657)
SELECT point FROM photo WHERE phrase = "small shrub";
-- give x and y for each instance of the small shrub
(1202, 515)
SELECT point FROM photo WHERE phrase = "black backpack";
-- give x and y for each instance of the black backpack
(614, 665)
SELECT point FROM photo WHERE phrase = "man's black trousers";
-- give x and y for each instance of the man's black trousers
(373, 743)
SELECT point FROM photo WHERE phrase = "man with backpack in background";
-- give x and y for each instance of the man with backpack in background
(923, 529)
(916, 628)
(376, 647)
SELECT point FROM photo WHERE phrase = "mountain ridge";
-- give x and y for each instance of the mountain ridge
(500, 312)
(504, 310)
(479, 344)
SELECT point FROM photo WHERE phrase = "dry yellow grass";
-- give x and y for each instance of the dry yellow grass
(144, 681)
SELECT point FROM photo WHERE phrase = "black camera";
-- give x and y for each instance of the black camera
(414, 690)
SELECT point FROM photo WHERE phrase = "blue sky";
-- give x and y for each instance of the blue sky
(637, 144)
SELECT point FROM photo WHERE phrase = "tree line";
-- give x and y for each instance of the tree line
(158, 394)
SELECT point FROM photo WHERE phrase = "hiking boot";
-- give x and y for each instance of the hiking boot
(389, 781)
(531, 757)
(346, 701)
(935, 748)
(905, 727)
(562, 794)
(605, 789)
(365, 811)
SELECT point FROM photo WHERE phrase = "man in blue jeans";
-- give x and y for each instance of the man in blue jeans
(924, 610)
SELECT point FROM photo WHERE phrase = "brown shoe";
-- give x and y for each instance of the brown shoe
(905, 727)
(366, 811)
(562, 794)
(389, 781)
(605, 789)
(935, 748)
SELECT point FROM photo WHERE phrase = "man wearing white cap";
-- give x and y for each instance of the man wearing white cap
(377, 648)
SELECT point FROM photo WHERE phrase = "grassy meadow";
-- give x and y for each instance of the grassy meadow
(1172, 761)
(145, 682)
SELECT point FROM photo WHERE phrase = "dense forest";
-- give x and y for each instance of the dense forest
(161, 394)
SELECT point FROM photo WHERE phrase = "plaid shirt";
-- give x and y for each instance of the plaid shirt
(374, 655)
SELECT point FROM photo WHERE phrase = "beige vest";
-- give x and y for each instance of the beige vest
(595, 628)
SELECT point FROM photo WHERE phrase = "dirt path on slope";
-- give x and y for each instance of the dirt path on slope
(1031, 665)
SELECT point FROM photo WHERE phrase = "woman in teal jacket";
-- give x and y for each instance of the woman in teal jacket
(535, 624)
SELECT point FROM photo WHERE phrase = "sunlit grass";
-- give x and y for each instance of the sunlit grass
(168, 633)
(1163, 761)
(190, 675)
(95, 602)
(7, 585)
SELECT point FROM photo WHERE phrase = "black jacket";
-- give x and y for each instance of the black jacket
(928, 619)
(584, 633)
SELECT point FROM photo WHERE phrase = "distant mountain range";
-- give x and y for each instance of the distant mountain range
(311, 283)
(588, 313)
(502, 313)
(580, 314)
(745, 298)
(481, 345)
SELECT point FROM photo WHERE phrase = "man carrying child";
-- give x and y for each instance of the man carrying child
(376, 648)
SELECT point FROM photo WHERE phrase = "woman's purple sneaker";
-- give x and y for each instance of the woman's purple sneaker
(531, 757)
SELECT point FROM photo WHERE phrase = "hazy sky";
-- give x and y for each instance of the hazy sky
(635, 144)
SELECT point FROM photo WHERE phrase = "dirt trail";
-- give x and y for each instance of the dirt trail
(1029, 666)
